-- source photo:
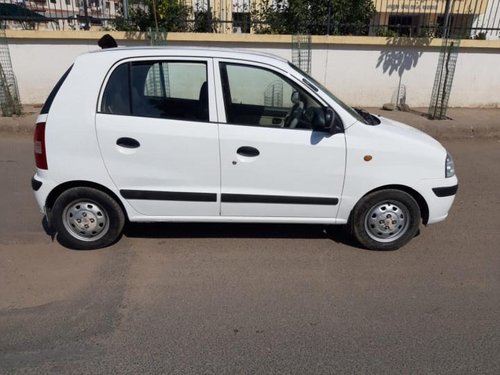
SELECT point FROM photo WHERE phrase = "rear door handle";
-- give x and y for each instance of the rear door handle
(128, 142)
(248, 151)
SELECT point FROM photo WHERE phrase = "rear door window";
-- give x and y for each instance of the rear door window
(116, 98)
(158, 89)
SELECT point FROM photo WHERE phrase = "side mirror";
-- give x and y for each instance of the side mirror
(321, 119)
(317, 118)
(330, 118)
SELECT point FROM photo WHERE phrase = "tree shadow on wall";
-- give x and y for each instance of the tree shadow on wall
(401, 54)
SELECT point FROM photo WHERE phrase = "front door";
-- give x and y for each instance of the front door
(272, 163)
(156, 138)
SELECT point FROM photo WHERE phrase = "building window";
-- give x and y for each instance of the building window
(200, 6)
(404, 25)
(241, 6)
(241, 22)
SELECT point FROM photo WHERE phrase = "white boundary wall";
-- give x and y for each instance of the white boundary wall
(361, 71)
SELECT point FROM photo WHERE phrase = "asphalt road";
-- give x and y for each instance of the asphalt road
(251, 299)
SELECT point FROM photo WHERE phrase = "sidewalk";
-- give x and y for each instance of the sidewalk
(464, 123)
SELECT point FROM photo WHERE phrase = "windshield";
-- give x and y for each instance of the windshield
(347, 108)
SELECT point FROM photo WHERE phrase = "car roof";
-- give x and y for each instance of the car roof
(126, 52)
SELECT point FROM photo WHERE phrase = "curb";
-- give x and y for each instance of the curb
(18, 125)
(458, 132)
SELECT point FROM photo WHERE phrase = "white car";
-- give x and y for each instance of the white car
(213, 135)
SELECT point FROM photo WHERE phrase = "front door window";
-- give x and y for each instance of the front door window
(259, 97)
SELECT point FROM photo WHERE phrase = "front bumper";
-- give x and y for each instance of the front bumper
(446, 191)
(439, 195)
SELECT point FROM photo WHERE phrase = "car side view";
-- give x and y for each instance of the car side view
(214, 135)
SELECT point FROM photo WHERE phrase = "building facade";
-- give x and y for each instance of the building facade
(414, 18)
(425, 18)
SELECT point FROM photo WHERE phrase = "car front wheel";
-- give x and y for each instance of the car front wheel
(385, 220)
(86, 218)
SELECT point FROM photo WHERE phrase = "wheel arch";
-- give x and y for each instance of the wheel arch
(422, 203)
(58, 190)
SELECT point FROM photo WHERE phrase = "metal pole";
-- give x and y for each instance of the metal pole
(446, 29)
(155, 17)
(86, 12)
(329, 20)
(209, 9)
(125, 9)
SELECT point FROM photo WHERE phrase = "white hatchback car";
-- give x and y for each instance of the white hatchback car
(212, 135)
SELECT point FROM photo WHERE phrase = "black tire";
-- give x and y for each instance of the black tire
(385, 220)
(86, 219)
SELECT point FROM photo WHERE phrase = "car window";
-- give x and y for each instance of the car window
(158, 89)
(116, 97)
(347, 108)
(260, 97)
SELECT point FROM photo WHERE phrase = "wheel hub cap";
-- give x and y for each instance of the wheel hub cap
(386, 222)
(86, 220)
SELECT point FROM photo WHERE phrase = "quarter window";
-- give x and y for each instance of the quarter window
(158, 89)
(116, 98)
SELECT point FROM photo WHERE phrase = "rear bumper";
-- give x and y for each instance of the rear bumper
(41, 188)
(36, 184)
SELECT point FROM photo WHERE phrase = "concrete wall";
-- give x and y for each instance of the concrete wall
(363, 71)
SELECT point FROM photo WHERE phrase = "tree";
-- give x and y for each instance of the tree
(166, 15)
(319, 17)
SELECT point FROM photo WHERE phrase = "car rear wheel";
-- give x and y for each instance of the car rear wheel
(86, 218)
(385, 220)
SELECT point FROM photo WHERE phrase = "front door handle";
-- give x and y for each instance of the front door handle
(128, 142)
(248, 151)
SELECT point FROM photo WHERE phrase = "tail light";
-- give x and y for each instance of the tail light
(39, 145)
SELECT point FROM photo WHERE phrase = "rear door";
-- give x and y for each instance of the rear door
(157, 131)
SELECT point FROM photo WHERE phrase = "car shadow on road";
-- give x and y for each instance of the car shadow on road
(334, 233)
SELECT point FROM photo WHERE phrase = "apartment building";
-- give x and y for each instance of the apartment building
(415, 18)
(425, 18)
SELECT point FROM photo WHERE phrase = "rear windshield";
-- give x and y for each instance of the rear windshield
(53, 93)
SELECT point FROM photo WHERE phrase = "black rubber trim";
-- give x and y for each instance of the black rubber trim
(48, 103)
(168, 196)
(35, 184)
(277, 199)
(445, 191)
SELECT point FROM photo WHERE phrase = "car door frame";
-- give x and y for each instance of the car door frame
(221, 108)
(179, 198)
